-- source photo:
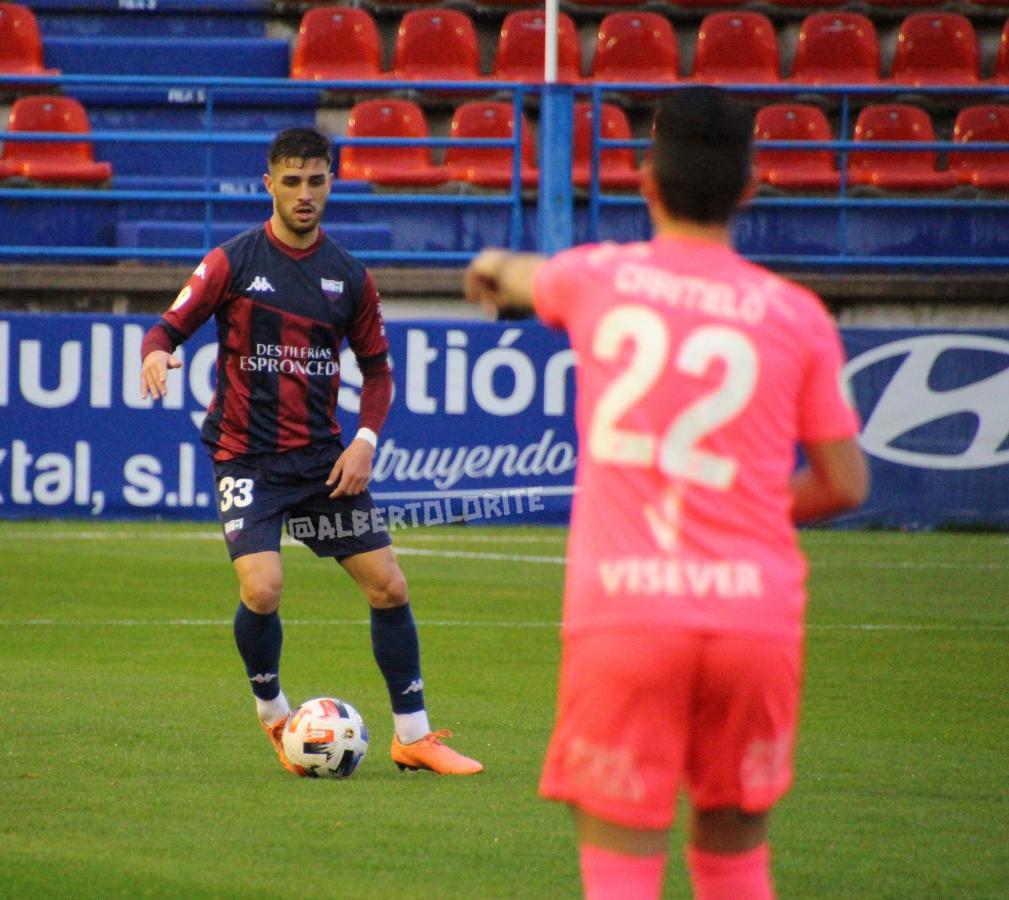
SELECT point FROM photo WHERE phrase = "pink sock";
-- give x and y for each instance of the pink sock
(742, 876)
(607, 875)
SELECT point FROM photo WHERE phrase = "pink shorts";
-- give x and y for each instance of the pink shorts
(641, 712)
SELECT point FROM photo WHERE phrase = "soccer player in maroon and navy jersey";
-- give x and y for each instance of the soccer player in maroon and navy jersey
(698, 376)
(284, 297)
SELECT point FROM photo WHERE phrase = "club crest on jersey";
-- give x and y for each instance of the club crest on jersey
(331, 286)
(260, 284)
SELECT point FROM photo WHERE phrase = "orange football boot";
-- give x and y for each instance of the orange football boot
(430, 753)
(275, 733)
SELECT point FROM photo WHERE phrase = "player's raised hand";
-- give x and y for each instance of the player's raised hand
(154, 374)
(502, 281)
(481, 282)
(352, 470)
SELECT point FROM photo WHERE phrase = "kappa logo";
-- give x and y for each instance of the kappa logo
(265, 678)
(260, 284)
(909, 401)
(332, 286)
(416, 686)
(183, 297)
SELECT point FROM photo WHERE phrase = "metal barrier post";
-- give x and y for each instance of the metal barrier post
(556, 201)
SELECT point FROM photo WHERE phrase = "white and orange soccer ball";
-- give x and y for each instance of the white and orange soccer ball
(325, 738)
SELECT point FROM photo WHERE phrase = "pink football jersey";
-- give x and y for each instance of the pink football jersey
(698, 375)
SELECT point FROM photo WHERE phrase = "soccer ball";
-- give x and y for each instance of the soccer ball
(325, 738)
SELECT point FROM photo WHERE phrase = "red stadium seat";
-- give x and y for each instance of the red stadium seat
(63, 162)
(396, 166)
(617, 169)
(436, 45)
(489, 166)
(636, 47)
(336, 43)
(706, 4)
(896, 169)
(21, 42)
(736, 48)
(805, 169)
(604, 4)
(936, 48)
(836, 48)
(988, 170)
(521, 44)
(889, 4)
(810, 4)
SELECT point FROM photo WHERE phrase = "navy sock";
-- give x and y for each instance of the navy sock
(397, 651)
(259, 639)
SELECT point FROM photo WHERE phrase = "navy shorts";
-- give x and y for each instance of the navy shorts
(259, 493)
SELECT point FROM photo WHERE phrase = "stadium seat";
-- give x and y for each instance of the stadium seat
(398, 165)
(736, 48)
(436, 44)
(987, 170)
(21, 42)
(936, 48)
(691, 5)
(890, 4)
(617, 169)
(896, 169)
(520, 50)
(61, 162)
(590, 5)
(636, 47)
(336, 43)
(489, 166)
(836, 48)
(807, 4)
(806, 169)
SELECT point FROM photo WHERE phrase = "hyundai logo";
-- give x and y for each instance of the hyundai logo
(909, 402)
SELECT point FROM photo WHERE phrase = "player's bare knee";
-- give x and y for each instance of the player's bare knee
(389, 592)
(261, 594)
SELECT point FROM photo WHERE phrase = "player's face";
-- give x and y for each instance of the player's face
(299, 188)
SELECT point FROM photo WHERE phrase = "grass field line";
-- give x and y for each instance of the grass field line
(406, 550)
(456, 623)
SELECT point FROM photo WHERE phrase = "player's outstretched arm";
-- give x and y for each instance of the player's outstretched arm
(834, 479)
(154, 373)
(499, 279)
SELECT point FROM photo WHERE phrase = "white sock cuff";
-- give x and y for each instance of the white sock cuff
(411, 727)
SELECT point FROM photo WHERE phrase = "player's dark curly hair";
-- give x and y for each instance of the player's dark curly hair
(701, 155)
(300, 143)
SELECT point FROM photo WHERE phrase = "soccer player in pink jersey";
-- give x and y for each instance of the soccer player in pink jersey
(698, 377)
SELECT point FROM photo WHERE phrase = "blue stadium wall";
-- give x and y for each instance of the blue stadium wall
(481, 428)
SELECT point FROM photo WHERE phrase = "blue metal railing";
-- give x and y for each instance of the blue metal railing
(210, 93)
(843, 202)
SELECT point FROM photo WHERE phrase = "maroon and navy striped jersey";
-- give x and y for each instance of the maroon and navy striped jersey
(282, 315)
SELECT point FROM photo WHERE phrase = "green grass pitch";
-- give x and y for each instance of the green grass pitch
(132, 765)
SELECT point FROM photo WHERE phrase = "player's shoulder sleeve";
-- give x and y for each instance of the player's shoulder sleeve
(556, 286)
(366, 334)
(826, 408)
(200, 296)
